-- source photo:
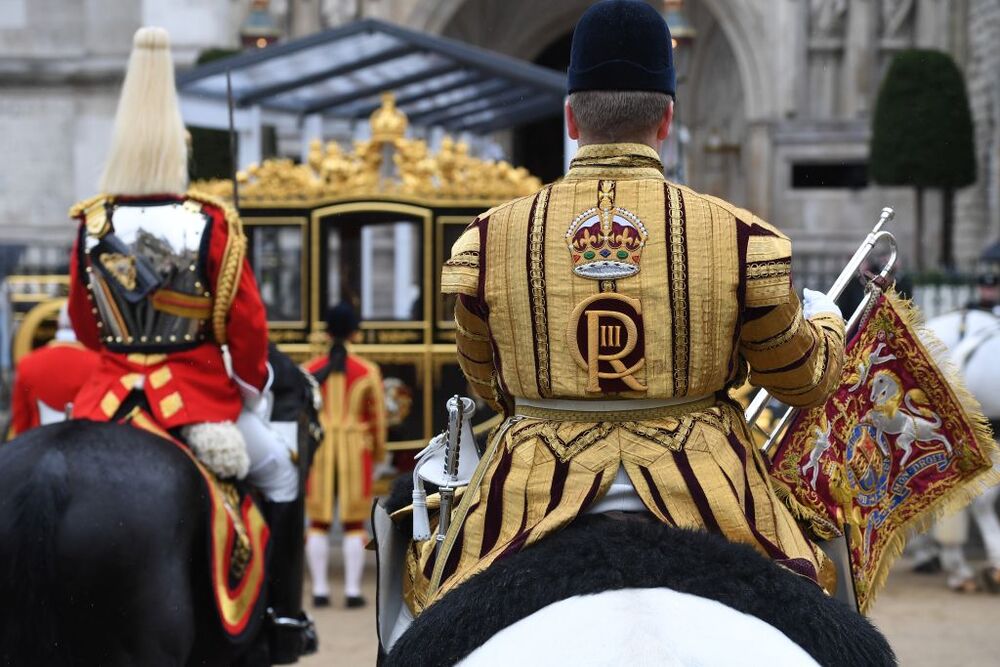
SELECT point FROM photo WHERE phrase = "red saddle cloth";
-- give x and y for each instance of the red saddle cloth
(238, 540)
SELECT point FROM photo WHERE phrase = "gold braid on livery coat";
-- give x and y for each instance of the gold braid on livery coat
(616, 285)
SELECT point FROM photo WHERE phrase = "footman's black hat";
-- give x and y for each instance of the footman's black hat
(342, 320)
(622, 45)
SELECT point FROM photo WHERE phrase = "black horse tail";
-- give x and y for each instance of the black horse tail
(31, 506)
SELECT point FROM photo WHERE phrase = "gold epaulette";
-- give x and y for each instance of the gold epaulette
(460, 273)
(231, 265)
(77, 209)
(94, 213)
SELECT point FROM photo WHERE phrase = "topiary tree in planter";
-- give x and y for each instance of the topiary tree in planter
(922, 135)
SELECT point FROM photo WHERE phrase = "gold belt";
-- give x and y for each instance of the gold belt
(610, 411)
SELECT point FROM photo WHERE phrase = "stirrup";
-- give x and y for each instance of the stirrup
(291, 637)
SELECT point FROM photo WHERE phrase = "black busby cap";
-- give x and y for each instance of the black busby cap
(342, 320)
(622, 45)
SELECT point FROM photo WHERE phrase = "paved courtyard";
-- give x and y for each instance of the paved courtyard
(927, 625)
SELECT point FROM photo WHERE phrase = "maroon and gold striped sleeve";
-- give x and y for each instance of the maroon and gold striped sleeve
(476, 353)
(798, 360)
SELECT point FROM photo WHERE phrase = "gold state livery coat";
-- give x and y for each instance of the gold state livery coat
(610, 285)
(354, 426)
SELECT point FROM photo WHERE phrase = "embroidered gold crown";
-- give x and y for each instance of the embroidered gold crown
(606, 244)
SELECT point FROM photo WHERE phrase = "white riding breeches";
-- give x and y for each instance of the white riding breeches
(270, 449)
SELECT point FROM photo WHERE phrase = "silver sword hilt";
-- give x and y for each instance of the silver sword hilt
(452, 446)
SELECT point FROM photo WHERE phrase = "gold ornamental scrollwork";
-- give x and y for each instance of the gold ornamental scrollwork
(388, 163)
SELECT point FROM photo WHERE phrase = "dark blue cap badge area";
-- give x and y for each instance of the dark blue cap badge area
(342, 320)
(622, 45)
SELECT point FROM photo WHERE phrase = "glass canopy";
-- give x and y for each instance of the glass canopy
(340, 73)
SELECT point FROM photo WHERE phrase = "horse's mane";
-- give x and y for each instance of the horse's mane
(597, 553)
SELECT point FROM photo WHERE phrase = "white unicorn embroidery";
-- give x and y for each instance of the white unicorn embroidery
(821, 443)
(910, 425)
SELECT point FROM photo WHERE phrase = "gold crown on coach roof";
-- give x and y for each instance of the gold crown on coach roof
(606, 243)
(387, 122)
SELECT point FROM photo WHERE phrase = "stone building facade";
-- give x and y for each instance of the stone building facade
(775, 101)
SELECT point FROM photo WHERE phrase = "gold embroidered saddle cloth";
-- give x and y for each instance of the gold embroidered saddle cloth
(238, 541)
(691, 462)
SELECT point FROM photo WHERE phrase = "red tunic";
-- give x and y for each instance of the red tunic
(183, 387)
(53, 375)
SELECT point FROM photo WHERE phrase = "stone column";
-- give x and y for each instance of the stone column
(759, 165)
(931, 24)
(827, 20)
(895, 28)
(977, 214)
(859, 54)
(303, 17)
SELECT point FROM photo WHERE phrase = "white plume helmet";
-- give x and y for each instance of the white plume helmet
(148, 148)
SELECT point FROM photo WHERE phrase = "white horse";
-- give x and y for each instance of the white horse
(973, 340)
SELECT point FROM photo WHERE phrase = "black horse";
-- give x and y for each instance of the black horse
(103, 545)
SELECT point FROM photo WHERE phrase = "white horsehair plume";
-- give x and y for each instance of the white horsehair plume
(148, 148)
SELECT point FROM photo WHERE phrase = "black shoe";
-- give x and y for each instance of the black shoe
(291, 638)
(930, 566)
(320, 601)
(355, 602)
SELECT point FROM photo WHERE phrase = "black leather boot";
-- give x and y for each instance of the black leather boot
(292, 632)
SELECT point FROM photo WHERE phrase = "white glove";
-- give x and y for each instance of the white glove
(814, 303)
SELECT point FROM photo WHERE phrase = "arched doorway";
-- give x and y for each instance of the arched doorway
(712, 104)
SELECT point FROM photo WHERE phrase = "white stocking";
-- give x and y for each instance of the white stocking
(955, 565)
(318, 554)
(354, 563)
(984, 512)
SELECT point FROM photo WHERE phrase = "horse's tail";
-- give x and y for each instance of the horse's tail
(31, 506)
(926, 413)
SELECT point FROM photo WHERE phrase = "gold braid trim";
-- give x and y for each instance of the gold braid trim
(778, 339)
(811, 520)
(231, 266)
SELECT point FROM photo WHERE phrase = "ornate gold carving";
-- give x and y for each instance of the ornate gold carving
(387, 122)
(414, 170)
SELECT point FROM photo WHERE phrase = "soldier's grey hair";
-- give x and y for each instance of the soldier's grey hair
(617, 115)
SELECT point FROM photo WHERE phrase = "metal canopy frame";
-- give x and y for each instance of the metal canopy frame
(339, 74)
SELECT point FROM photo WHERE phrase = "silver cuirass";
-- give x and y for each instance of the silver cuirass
(147, 275)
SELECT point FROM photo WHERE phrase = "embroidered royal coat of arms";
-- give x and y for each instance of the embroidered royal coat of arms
(897, 444)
